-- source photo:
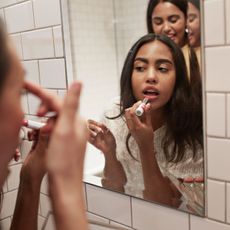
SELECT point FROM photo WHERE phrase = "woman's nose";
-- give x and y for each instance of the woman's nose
(152, 77)
(166, 27)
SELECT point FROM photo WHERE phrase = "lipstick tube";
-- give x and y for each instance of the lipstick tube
(140, 109)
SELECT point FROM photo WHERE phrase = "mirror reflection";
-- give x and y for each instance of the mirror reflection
(140, 65)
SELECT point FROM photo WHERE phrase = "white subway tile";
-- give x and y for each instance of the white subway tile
(227, 8)
(13, 178)
(214, 30)
(50, 224)
(41, 221)
(147, 216)
(44, 185)
(38, 44)
(17, 42)
(2, 15)
(228, 203)
(32, 71)
(58, 41)
(198, 223)
(45, 205)
(25, 148)
(98, 200)
(5, 188)
(92, 217)
(218, 158)
(52, 73)
(217, 77)
(34, 103)
(8, 204)
(119, 225)
(47, 12)
(62, 93)
(4, 3)
(216, 112)
(24, 104)
(5, 224)
(19, 17)
(228, 115)
(216, 200)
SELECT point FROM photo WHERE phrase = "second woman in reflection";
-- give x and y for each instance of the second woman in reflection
(143, 154)
(169, 17)
(193, 25)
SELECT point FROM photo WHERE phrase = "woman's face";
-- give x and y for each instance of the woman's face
(154, 74)
(193, 24)
(168, 19)
(11, 113)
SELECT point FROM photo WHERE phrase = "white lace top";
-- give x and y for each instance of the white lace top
(188, 167)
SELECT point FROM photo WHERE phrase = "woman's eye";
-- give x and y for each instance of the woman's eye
(139, 68)
(163, 69)
(157, 21)
(191, 18)
(173, 19)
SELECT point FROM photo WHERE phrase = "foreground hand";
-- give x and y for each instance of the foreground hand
(49, 102)
(101, 137)
(33, 168)
(65, 157)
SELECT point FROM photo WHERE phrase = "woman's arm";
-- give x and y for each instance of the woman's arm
(32, 173)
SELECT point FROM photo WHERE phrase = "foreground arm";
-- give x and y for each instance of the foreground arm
(32, 173)
(33, 169)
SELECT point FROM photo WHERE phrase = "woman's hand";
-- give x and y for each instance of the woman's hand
(65, 157)
(65, 161)
(49, 102)
(140, 127)
(33, 168)
(101, 137)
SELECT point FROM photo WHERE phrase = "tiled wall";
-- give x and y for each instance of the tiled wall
(110, 207)
(35, 27)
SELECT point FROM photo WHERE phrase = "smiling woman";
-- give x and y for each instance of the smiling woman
(161, 144)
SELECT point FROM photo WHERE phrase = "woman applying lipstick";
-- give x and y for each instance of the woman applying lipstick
(53, 152)
(143, 151)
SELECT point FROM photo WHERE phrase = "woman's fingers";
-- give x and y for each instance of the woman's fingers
(70, 106)
(131, 118)
(94, 128)
(17, 155)
(49, 102)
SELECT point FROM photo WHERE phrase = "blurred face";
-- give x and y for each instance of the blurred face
(193, 24)
(169, 20)
(11, 114)
(154, 75)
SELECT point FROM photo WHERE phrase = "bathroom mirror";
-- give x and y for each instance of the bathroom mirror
(98, 36)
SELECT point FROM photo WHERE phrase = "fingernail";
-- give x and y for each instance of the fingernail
(76, 86)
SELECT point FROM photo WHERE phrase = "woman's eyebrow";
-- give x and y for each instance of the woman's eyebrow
(162, 60)
(141, 59)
